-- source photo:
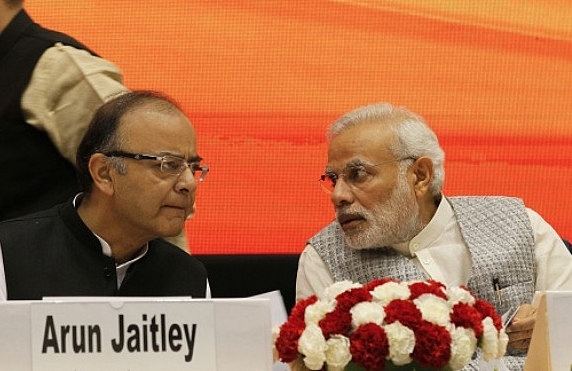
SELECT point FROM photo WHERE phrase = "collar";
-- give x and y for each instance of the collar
(105, 248)
(430, 233)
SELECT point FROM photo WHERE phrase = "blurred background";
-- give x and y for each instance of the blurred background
(262, 80)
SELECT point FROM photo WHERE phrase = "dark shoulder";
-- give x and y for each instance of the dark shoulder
(53, 36)
(33, 219)
(164, 252)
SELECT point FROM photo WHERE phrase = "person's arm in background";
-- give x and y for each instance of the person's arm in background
(66, 88)
(3, 291)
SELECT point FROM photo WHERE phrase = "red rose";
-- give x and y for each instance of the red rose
(488, 310)
(369, 346)
(300, 308)
(464, 315)
(377, 282)
(347, 299)
(429, 287)
(336, 322)
(404, 311)
(287, 341)
(432, 345)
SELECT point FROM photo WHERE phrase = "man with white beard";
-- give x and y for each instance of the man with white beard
(385, 176)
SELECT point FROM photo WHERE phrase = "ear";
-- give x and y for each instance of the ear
(422, 171)
(101, 171)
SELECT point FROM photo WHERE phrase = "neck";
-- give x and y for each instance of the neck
(428, 208)
(124, 244)
(7, 14)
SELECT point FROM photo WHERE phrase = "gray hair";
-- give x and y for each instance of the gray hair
(413, 137)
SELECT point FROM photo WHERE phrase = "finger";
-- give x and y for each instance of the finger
(521, 335)
(525, 311)
(519, 345)
(522, 325)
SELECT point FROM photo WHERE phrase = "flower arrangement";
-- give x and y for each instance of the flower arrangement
(386, 324)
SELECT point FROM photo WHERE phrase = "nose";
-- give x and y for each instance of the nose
(186, 181)
(342, 193)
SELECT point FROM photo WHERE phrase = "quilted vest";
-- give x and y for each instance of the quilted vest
(498, 234)
(496, 230)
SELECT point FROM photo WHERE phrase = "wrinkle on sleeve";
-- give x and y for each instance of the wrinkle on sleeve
(66, 88)
(313, 277)
(553, 260)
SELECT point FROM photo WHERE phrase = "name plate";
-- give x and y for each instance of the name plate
(550, 347)
(123, 335)
(136, 334)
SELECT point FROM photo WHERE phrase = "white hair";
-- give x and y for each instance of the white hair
(413, 137)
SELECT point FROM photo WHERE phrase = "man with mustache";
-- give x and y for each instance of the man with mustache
(385, 175)
(138, 168)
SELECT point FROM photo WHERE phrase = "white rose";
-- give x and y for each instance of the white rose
(490, 342)
(401, 343)
(463, 346)
(433, 309)
(367, 312)
(503, 342)
(338, 352)
(458, 294)
(390, 291)
(312, 345)
(317, 311)
(337, 288)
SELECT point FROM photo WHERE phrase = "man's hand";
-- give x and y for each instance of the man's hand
(519, 331)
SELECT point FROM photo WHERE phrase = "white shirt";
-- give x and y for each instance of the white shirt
(440, 251)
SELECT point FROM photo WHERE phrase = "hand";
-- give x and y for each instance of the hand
(519, 331)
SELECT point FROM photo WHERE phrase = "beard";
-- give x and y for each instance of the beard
(394, 221)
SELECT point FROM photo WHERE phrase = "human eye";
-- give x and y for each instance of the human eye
(356, 174)
(172, 165)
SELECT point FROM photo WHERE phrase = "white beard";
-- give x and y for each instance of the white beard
(394, 221)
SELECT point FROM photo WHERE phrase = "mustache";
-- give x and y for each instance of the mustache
(353, 212)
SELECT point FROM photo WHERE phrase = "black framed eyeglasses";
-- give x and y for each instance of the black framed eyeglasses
(170, 164)
(355, 174)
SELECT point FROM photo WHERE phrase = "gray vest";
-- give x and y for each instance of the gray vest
(497, 232)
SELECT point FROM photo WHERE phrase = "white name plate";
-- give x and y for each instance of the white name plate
(550, 347)
(142, 334)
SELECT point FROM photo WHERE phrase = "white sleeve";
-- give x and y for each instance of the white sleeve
(313, 276)
(553, 260)
(3, 291)
(66, 88)
(208, 292)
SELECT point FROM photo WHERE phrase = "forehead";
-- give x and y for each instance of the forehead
(366, 141)
(149, 127)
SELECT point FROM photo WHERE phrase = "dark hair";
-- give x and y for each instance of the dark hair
(102, 134)
(14, 3)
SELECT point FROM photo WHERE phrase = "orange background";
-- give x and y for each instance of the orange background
(261, 81)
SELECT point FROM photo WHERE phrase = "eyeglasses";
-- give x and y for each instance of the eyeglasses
(355, 174)
(170, 164)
